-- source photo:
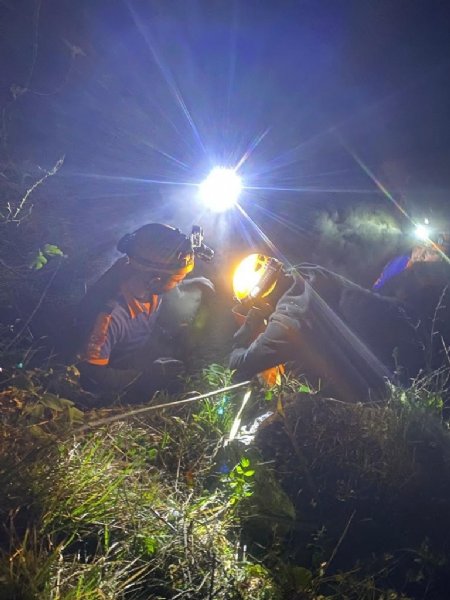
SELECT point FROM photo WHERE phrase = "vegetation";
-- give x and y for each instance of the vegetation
(280, 495)
(322, 500)
(133, 509)
(331, 500)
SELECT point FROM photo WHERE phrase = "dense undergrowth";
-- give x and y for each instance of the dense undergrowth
(330, 500)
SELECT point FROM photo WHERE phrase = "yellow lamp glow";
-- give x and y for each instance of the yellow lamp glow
(248, 276)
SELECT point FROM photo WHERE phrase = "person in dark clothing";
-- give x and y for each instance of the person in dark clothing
(345, 339)
(426, 251)
(134, 320)
(422, 285)
(424, 289)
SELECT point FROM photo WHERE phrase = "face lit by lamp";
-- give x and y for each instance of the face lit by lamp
(220, 190)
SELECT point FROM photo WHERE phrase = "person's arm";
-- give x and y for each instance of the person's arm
(102, 378)
(162, 373)
(272, 347)
(96, 374)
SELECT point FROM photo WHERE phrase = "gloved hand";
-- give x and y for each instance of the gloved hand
(165, 369)
(163, 374)
(204, 283)
(255, 323)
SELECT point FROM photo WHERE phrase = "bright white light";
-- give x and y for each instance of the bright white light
(221, 189)
(422, 232)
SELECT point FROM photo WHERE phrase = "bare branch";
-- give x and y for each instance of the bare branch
(15, 214)
(36, 308)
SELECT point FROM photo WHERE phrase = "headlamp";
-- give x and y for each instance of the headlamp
(198, 247)
(255, 277)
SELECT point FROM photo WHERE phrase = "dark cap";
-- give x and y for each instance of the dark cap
(157, 246)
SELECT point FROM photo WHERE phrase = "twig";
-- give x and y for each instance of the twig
(433, 331)
(13, 214)
(161, 518)
(36, 18)
(36, 308)
(6, 266)
(341, 539)
(212, 581)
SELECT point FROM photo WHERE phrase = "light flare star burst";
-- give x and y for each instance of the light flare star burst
(422, 232)
(221, 189)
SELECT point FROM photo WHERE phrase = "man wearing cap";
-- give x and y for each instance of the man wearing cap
(135, 317)
(427, 251)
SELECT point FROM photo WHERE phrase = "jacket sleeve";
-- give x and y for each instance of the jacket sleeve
(272, 347)
(102, 378)
(96, 374)
(101, 338)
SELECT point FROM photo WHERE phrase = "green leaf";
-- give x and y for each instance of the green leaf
(245, 462)
(107, 537)
(38, 261)
(52, 250)
(249, 473)
(302, 578)
(75, 415)
(304, 389)
(42, 256)
(37, 432)
(53, 402)
(150, 544)
(152, 453)
(35, 410)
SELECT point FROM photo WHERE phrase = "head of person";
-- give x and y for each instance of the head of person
(159, 258)
(434, 249)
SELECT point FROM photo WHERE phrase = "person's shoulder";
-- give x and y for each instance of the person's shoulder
(94, 305)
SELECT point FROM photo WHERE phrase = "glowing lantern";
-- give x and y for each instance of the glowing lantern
(255, 277)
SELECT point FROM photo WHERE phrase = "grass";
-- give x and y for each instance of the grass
(333, 501)
(122, 511)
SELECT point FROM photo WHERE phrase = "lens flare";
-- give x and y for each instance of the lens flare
(422, 232)
(220, 190)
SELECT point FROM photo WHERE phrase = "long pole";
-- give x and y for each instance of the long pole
(144, 409)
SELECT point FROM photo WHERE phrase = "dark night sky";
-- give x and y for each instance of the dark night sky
(134, 90)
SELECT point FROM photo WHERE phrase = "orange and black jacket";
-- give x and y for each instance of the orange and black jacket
(111, 332)
(117, 332)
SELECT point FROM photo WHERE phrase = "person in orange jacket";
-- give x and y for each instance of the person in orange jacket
(130, 340)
